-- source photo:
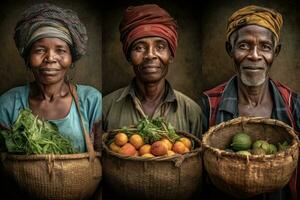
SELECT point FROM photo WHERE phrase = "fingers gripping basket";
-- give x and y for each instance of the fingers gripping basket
(246, 176)
(175, 177)
(57, 177)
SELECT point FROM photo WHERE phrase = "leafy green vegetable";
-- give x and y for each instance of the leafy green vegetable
(283, 146)
(30, 135)
(152, 130)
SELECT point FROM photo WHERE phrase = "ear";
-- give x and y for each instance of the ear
(171, 60)
(277, 50)
(229, 48)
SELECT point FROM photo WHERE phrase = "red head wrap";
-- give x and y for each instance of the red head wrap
(147, 21)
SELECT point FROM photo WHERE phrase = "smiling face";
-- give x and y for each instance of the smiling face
(150, 57)
(253, 49)
(49, 60)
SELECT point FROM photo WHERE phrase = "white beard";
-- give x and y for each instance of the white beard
(250, 81)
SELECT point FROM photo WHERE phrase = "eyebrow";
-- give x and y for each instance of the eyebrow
(158, 40)
(249, 40)
(139, 42)
(44, 46)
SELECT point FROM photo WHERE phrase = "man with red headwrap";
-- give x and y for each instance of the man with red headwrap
(149, 38)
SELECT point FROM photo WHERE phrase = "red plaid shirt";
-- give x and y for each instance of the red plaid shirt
(287, 109)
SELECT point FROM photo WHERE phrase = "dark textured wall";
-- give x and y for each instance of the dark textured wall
(12, 67)
(201, 61)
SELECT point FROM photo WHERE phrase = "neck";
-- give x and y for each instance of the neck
(49, 92)
(150, 91)
(253, 95)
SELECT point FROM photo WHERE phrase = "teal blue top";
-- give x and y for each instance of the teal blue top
(90, 100)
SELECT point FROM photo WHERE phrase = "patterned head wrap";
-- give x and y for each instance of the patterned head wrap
(146, 21)
(47, 20)
(255, 15)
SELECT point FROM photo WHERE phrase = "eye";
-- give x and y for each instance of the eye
(244, 46)
(266, 47)
(161, 47)
(61, 50)
(39, 50)
(139, 48)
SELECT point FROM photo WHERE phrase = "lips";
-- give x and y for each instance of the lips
(48, 71)
(150, 68)
(253, 68)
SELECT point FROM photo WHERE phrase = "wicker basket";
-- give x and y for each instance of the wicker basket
(246, 176)
(57, 177)
(175, 177)
(65, 177)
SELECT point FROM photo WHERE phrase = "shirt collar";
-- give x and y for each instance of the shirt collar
(229, 101)
(130, 91)
(229, 97)
(279, 110)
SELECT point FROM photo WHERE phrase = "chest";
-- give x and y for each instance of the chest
(51, 110)
(261, 110)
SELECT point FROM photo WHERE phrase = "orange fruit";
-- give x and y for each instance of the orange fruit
(136, 140)
(187, 142)
(179, 147)
(121, 139)
(170, 153)
(128, 150)
(148, 155)
(186, 150)
(146, 148)
(114, 147)
(168, 143)
(159, 148)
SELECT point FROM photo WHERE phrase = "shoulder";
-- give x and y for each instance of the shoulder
(215, 90)
(186, 102)
(86, 92)
(287, 94)
(113, 96)
(282, 87)
(11, 102)
(13, 93)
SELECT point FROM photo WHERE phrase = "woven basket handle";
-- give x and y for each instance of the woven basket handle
(86, 136)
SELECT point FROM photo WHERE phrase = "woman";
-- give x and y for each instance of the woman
(51, 40)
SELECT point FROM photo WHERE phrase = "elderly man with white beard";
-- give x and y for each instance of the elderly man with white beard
(253, 42)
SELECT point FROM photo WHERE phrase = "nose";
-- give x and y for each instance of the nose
(50, 56)
(151, 53)
(254, 54)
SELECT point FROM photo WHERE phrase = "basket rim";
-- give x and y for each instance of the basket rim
(175, 157)
(8, 156)
(247, 119)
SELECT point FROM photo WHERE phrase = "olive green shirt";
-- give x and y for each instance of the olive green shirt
(123, 108)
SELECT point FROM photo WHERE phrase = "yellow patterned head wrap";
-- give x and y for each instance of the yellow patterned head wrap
(255, 15)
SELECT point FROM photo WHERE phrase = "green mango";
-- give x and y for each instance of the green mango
(243, 152)
(241, 141)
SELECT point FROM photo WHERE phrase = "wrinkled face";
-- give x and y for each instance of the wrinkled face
(150, 57)
(253, 52)
(49, 60)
